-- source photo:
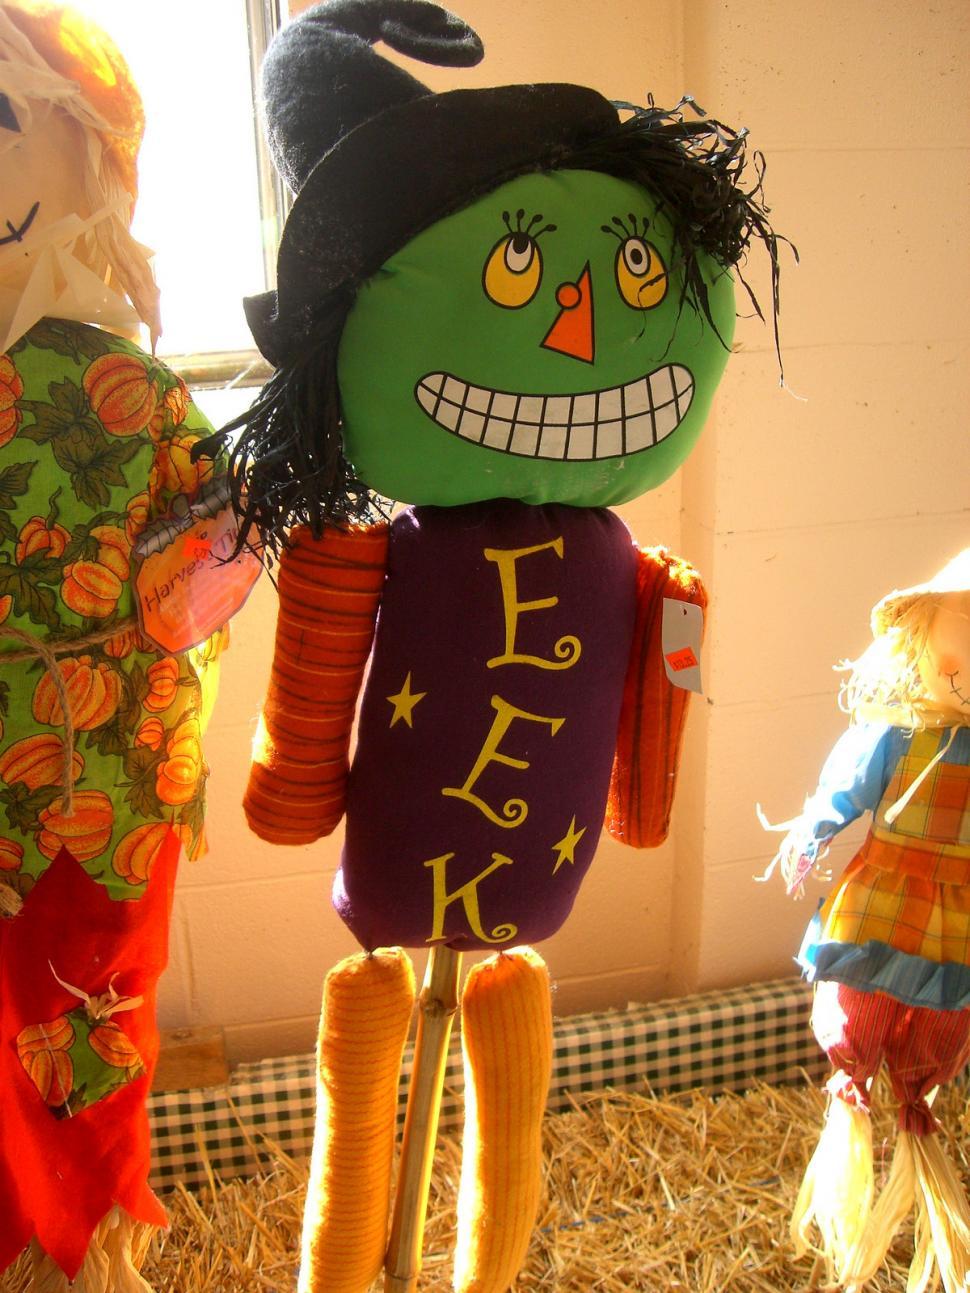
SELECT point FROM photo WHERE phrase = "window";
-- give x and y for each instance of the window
(209, 202)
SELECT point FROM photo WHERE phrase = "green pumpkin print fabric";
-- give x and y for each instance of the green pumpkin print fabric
(95, 445)
(76, 1060)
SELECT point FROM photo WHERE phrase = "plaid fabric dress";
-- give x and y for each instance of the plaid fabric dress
(898, 921)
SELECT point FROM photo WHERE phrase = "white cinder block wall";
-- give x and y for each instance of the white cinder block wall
(801, 507)
(804, 509)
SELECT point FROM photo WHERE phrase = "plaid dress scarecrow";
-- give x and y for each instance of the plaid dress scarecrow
(889, 949)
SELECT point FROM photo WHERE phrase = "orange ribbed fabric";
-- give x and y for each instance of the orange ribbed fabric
(367, 1004)
(506, 1030)
(654, 711)
(329, 591)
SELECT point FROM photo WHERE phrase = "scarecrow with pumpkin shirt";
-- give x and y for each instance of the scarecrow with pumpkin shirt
(102, 776)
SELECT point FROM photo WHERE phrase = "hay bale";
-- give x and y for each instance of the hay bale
(686, 1194)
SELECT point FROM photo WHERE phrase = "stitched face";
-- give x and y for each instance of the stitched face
(532, 346)
(945, 664)
(41, 180)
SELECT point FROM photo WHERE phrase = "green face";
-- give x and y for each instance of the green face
(519, 350)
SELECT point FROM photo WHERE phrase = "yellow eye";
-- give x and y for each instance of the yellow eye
(513, 271)
(641, 275)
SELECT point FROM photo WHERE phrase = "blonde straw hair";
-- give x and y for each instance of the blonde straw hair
(884, 683)
(52, 54)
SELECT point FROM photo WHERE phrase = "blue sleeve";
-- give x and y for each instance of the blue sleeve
(853, 779)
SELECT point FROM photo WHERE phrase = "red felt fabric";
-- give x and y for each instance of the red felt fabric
(58, 1178)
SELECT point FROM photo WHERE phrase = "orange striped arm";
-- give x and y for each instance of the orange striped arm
(654, 711)
(329, 591)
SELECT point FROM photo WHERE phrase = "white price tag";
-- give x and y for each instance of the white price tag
(681, 630)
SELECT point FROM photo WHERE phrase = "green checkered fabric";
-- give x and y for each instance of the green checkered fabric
(721, 1041)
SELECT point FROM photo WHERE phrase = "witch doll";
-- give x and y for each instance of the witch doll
(509, 308)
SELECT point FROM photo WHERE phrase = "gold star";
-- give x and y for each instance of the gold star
(567, 846)
(404, 702)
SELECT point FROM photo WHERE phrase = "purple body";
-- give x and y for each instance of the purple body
(474, 811)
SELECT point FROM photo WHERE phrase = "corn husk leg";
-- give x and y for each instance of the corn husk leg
(942, 1216)
(922, 1177)
(111, 1264)
(367, 1004)
(507, 1045)
(836, 1192)
(891, 1209)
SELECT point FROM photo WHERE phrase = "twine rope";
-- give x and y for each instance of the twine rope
(48, 651)
(10, 900)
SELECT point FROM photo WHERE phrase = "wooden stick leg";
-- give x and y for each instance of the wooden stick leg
(438, 1003)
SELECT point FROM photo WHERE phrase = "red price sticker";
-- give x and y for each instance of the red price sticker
(197, 549)
(682, 659)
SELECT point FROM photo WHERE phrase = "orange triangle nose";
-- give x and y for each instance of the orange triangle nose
(572, 332)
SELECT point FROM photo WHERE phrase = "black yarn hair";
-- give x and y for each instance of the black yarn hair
(695, 167)
(287, 467)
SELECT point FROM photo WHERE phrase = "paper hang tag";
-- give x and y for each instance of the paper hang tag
(185, 584)
(681, 630)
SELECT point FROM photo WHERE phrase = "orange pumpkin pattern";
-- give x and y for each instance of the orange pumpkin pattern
(40, 536)
(97, 443)
(85, 833)
(91, 589)
(113, 549)
(94, 588)
(93, 693)
(178, 774)
(122, 644)
(163, 681)
(151, 733)
(11, 389)
(38, 761)
(172, 410)
(121, 393)
(11, 855)
(43, 1052)
(174, 472)
(137, 514)
(77, 1059)
(56, 1035)
(136, 853)
(110, 1044)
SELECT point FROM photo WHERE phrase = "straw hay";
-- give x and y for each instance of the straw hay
(688, 1194)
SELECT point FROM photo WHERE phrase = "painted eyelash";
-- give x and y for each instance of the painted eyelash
(631, 232)
(527, 231)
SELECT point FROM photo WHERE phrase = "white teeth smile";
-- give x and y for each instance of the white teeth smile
(599, 424)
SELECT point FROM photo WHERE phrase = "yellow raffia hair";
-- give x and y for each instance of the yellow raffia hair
(884, 684)
(79, 51)
(107, 108)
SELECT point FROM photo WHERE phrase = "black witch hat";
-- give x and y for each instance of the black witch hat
(374, 156)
